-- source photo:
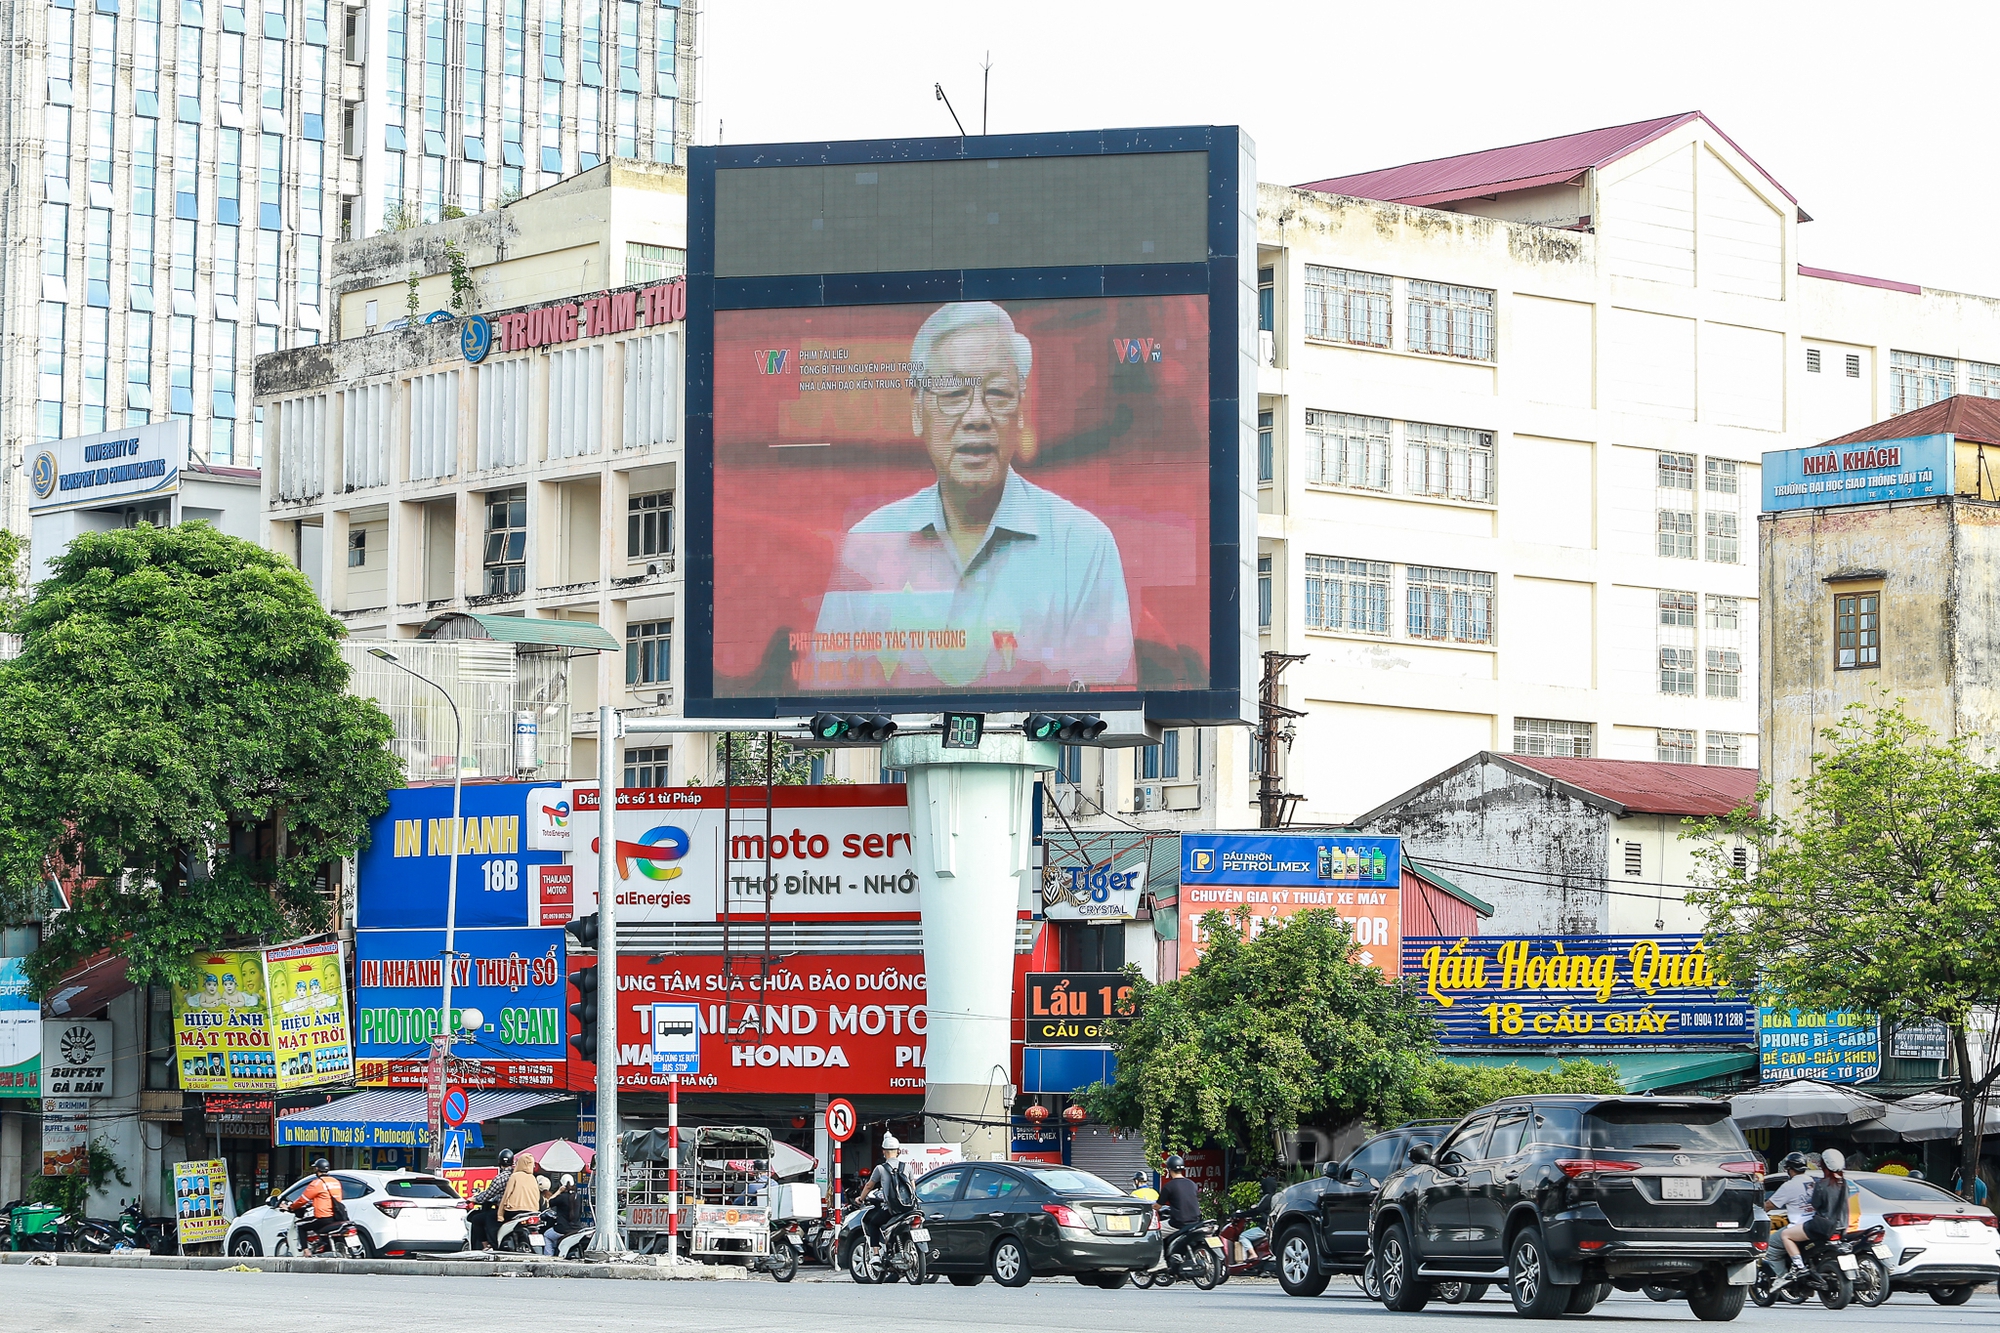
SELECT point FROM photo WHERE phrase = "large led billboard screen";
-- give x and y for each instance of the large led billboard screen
(972, 429)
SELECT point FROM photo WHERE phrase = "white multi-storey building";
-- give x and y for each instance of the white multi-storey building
(196, 168)
(1512, 413)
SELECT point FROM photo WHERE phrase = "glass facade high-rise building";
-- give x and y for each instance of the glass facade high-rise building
(199, 158)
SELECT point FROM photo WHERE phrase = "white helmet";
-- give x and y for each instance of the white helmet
(1833, 1159)
(891, 1144)
(569, 1182)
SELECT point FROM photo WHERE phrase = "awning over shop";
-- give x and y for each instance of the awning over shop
(391, 1118)
(532, 631)
(1640, 1071)
(88, 988)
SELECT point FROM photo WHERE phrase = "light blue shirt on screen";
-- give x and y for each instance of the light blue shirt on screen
(1040, 603)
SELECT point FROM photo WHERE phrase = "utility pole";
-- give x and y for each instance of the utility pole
(606, 1164)
(1274, 727)
(985, 89)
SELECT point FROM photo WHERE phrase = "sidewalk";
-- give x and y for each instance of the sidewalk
(648, 1269)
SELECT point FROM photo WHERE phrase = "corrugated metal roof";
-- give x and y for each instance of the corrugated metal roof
(1443, 885)
(1975, 420)
(1648, 788)
(521, 629)
(1515, 167)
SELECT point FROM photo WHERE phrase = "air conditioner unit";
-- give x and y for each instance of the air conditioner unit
(1066, 798)
(1146, 796)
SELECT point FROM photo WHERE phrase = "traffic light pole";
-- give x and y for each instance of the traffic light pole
(607, 1161)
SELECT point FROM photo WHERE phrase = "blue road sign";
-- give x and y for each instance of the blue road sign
(454, 1147)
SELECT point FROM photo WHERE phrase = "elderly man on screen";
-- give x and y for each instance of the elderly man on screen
(983, 580)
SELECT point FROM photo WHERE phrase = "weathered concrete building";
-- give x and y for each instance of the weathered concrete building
(1513, 410)
(1885, 588)
(1567, 846)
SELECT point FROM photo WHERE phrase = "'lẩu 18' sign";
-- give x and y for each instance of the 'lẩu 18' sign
(1575, 990)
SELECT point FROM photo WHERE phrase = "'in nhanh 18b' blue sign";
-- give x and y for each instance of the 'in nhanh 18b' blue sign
(1866, 472)
(1306, 858)
(1829, 1047)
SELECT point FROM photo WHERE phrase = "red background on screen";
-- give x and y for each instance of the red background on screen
(1127, 442)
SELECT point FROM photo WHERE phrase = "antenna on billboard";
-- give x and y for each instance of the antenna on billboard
(939, 88)
(986, 92)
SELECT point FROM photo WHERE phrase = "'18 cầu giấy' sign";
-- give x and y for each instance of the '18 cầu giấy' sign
(1575, 990)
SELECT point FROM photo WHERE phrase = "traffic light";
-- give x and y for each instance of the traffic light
(851, 728)
(585, 1010)
(585, 930)
(1064, 728)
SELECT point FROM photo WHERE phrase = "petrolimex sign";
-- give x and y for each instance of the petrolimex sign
(1866, 473)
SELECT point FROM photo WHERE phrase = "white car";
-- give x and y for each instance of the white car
(1937, 1241)
(397, 1212)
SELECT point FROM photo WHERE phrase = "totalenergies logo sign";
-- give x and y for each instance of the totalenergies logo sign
(654, 853)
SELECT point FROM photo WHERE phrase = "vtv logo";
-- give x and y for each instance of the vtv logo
(772, 361)
(1136, 351)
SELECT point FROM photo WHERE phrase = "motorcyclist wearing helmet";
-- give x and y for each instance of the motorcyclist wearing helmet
(485, 1221)
(564, 1214)
(1178, 1199)
(321, 1197)
(891, 1189)
(1802, 1198)
(1142, 1187)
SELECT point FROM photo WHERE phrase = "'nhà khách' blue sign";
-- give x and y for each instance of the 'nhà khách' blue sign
(1863, 473)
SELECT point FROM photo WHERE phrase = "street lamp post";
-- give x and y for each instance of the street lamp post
(441, 1056)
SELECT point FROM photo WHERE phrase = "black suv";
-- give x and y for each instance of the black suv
(1320, 1226)
(1562, 1198)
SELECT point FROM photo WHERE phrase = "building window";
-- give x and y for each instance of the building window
(653, 263)
(1721, 545)
(1676, 534)
(1857, 630)
(1069, 765)
(1344, 450)
(1091, 948)
(1552, 739)
(507, 541)
(1263, 592)
(1347, 594)
(1720, 476)
(1344, 306)
(1451, 321)
(1676, 671)
(357, 548)
(1982, 380)
(1448, 461)
(1266, 446)
(1812, 360)
(1674, 479)
(1675, 472)
(648, 767)
(1267, 299)
(1725, 673)
(1918, 381)
(1450, 604)
(1677, 609)
(649, 652)
(1725, 613)
(649, 525)
(1725, 750)
(1162, 761)
(1674, 746)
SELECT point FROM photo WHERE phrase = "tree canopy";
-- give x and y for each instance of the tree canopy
(1283, 1028)
(178, 748)
(1878, 889)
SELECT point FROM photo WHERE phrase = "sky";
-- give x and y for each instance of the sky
(1878, 118)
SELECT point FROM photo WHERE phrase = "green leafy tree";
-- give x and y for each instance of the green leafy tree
(749, 756)
(1446, 1090)
(178, 746)
(1876, 892)
(13, 579)
(1265, 1033)
(71, 1193)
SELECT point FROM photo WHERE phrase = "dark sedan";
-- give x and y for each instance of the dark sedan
(1023, 1220)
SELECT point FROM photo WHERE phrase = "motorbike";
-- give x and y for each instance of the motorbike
(1195, 1253)
(788, 1246)
(905, 1252)
(1834, 1271)
(1247, 1245)
(816, 1239)
(132, 1231)
(522, 1233)
(343, 1242)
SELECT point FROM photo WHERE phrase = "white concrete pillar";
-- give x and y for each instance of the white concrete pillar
(970, 814)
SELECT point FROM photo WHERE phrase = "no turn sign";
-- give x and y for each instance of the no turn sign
(840, 1120)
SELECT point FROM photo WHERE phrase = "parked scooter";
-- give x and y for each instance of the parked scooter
(787, 1249)
(522, 1233)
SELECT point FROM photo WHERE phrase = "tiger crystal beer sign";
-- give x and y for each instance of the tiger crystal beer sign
(1575, 990)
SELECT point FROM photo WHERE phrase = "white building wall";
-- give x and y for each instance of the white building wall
(1678, 328)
